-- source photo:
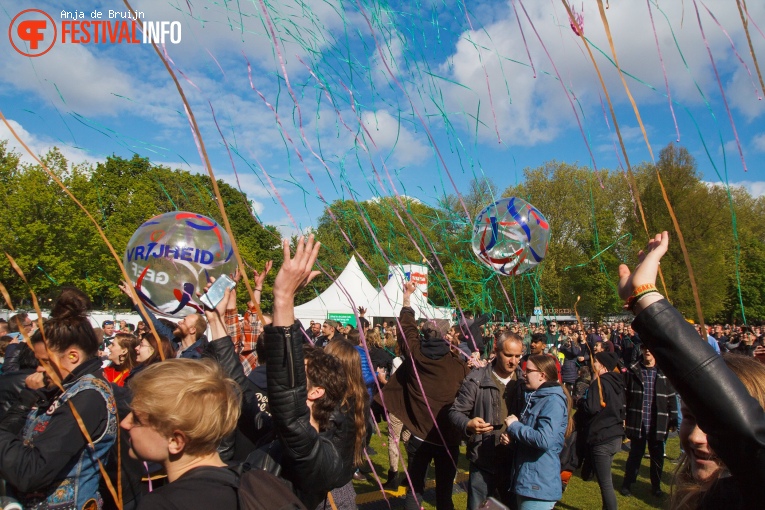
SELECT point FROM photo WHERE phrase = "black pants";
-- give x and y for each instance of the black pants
(420, 454)
(602, 456)
(637, 449)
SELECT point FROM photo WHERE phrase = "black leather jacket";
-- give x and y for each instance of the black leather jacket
(733, 420)
(11, 386)
(313, 462)
(254, 426)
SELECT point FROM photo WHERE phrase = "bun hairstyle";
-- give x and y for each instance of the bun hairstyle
(72, 302)
(69, 325)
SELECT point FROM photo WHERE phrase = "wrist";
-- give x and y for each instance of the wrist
(281, 300)
(639, 292)
(645, 301)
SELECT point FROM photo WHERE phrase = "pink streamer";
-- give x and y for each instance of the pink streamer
(523, 36)
(568, 96)
(663, 69)
(722, 90)
(733, 47)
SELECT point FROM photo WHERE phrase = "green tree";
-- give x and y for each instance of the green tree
(586, 212)
(55, 243)
(704, 220)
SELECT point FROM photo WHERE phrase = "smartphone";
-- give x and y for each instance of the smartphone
(214, 295)
(493, 504)
(499, 427)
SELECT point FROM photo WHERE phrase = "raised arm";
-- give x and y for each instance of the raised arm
(733, 420)
(161, 328)
(411, 336)
(253, 421)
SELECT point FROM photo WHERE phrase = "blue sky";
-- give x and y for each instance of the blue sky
(319, 100)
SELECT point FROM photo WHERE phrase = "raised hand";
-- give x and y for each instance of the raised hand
(645, 272)
(215, 315)
(231, 301)
(261, 277)
(220, 309)
(296, 272)
(408, 291)
(647, 268)
(127, 289)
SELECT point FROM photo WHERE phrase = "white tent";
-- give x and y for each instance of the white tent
(352, 289)
(349, 291)
(390, 299)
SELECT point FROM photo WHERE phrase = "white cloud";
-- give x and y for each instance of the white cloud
(758, 142)
(41, 145)
(388, 134)
(527, 110)
(744, 94)
(391, 47)
(227, 30)
(755, 188)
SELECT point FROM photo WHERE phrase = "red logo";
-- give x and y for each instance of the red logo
(31, 28)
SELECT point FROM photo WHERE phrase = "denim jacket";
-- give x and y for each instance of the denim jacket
(80, 482)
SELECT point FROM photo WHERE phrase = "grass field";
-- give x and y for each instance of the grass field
(579, 494)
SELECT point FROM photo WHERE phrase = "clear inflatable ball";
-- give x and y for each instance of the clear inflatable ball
(510, 236)
(170, 258)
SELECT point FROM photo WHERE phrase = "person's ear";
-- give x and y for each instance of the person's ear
(315, 393)
(73, 356)
(176, 442)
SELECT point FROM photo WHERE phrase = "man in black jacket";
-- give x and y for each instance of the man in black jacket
(487, 396)
(329, 331)
(651, 414)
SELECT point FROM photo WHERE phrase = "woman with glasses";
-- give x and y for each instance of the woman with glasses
(147, 352)
(539, 434)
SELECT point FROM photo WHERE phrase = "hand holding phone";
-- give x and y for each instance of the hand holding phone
(215, 293)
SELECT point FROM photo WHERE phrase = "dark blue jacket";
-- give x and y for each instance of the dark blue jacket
(570, 367)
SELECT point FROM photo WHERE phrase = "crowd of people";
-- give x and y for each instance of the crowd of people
(225, 411)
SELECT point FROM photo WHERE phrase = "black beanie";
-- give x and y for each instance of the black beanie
(608, 359)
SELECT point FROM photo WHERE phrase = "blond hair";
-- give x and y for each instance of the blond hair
(373, 339)
(191, 396)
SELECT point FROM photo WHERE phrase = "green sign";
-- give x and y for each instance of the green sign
(343, 318)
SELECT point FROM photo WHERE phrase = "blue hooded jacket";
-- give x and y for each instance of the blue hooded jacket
(539, 436)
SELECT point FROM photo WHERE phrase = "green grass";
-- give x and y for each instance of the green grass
(579, 494)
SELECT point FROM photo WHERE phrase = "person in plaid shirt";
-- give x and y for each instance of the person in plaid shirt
(245, 333)
(651, 415)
